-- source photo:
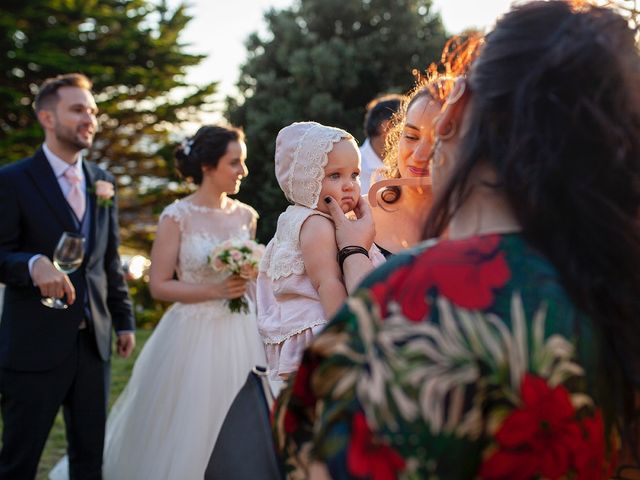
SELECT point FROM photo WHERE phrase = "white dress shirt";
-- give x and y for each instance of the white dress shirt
(59, 167)
(371, 165)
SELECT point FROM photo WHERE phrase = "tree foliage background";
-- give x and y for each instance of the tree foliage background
(323, 60)
(132, 52)
(631, 9)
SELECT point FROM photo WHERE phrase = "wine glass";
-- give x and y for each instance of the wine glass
(67, 257)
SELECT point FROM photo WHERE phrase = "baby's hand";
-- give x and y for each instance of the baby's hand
(360, 231)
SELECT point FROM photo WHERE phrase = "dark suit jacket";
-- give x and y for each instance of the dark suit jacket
(34, 213)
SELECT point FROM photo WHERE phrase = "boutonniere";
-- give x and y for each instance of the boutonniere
(104, 192)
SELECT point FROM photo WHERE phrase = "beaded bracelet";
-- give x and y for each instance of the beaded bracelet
(350, 250)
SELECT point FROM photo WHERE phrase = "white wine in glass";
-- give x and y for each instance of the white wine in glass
(67, 257)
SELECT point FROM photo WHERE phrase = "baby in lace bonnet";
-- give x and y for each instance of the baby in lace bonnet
(300, 283)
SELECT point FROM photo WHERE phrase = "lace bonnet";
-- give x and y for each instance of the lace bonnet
(301, 155)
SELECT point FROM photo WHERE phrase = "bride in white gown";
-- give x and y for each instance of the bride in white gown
(165, 423)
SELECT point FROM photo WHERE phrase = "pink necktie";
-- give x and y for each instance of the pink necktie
(75, 197)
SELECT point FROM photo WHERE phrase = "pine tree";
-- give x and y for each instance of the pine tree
(131, 51)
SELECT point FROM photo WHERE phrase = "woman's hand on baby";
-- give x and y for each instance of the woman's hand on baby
(360, 231)
(232, 287)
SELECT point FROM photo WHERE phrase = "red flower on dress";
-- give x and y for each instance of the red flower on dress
(543, 438)
(291, 422)
(302, 396)
(368, 457)
(383, 292)
(467, 272)
(302, 390)
(591, 462)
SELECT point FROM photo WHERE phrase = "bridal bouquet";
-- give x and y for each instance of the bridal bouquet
(237, 257)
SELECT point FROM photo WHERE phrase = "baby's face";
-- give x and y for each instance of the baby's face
(341, 176)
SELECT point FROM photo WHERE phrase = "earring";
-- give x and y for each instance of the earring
(453, 129)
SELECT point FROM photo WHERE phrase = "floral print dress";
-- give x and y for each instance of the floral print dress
(458, 359)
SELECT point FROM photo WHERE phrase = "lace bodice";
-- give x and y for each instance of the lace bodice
(203, 228)
(283, 256)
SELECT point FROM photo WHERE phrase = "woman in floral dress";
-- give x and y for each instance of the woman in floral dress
(508, 349)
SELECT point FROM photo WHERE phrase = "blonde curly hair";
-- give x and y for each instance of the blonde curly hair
(436, 83)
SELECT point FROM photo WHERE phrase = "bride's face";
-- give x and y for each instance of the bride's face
(231, 169)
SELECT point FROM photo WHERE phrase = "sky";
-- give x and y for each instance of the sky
(220, 27)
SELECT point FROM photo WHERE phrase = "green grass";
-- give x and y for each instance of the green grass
(120, 371)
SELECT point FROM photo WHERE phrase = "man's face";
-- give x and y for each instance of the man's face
(74, 121)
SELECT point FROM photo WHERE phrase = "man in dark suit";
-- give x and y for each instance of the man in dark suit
(59, 357)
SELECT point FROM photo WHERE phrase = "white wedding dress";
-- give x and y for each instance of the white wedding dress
(165, 423)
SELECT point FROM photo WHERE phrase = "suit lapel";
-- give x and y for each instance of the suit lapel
(47, 184)
(91, 175)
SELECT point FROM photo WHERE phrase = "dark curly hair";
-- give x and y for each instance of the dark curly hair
(206, 147)
(378, 111)
(555, 110)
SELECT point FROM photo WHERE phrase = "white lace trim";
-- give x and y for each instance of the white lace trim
(309, 159)
(179, 209)
(283, 256)
(230, 207)
(175, 211)
(283, 338)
